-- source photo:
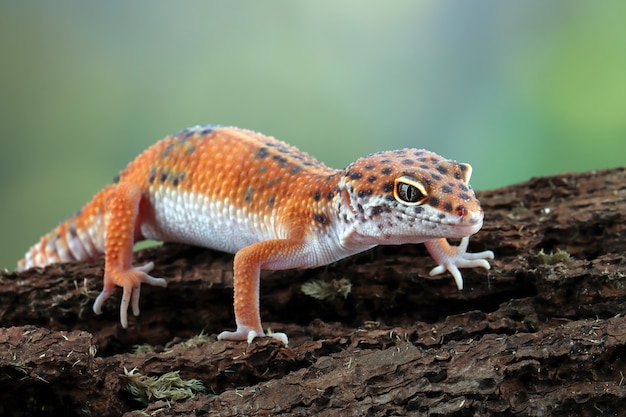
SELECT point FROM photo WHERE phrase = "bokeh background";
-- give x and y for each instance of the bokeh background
(516, 88)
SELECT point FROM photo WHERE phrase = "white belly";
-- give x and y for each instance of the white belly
(196, 220)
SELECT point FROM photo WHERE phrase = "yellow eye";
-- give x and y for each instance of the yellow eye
(408, 191)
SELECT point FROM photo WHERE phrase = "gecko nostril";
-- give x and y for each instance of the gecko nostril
(461, 211)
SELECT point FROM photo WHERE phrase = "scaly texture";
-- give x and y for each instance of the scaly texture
(272, 205)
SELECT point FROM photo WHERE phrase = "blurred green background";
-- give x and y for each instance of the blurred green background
(517, 89)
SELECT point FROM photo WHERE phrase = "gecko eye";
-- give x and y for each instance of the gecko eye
(408, 191)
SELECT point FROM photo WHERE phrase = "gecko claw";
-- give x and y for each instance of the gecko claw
(247, 334)
(130, 281)
(452, 258)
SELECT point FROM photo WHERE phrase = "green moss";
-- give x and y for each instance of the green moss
(553, 257)
(142, 349)
(169, 386)
(323, 290)
(198, 340)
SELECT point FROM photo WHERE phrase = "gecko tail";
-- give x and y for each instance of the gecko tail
(73, 240)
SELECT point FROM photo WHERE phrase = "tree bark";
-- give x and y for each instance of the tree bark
(540, 334)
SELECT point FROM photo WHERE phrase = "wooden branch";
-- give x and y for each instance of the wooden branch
(542, 333)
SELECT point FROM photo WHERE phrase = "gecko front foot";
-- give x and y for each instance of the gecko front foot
(451, 258)
(130, 280)
(248, 334)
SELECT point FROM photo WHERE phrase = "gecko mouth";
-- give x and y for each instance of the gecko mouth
(453, 228)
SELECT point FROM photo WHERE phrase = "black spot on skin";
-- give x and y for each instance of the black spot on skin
(163, 176)
(178, 179)
(376, 210)
(372, 179)
(433, 202)
(355, 175)
(370, 167)
(434, 159)
(418, 209)
(262, 169)
(427, 181)
(271, 200)
(360, 208)
(446, 189)
(407, 161)
(388, 187)
(282, 161)
(72, 230)
(463, 167)
(447, 207)
(191, 149)
(385, 161)
(442, 170)
(390, 198)
(463, 187)
(273, 182)
(167, 150)
(422, 159)
(261, 153)
(116, 179)
(465, 197)
(441, 215)
(400, 151)
(361, 193)
(425, 167)
(186, 134)
(295, 169)
(316, 196)
(248, 196)
(418, 153)
(457, 175)
(330, 195)
(435, 177)
(206, 130)
(320, 218)
(152, 175)
(386, 171)
(308, 164)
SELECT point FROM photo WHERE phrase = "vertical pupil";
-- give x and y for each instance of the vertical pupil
(407, 192)
(411, 193)
(404, 191)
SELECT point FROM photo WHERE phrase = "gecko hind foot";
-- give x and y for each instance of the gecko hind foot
(130, 280)
(244, 333)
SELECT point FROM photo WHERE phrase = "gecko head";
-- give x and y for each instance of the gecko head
(408, 196)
